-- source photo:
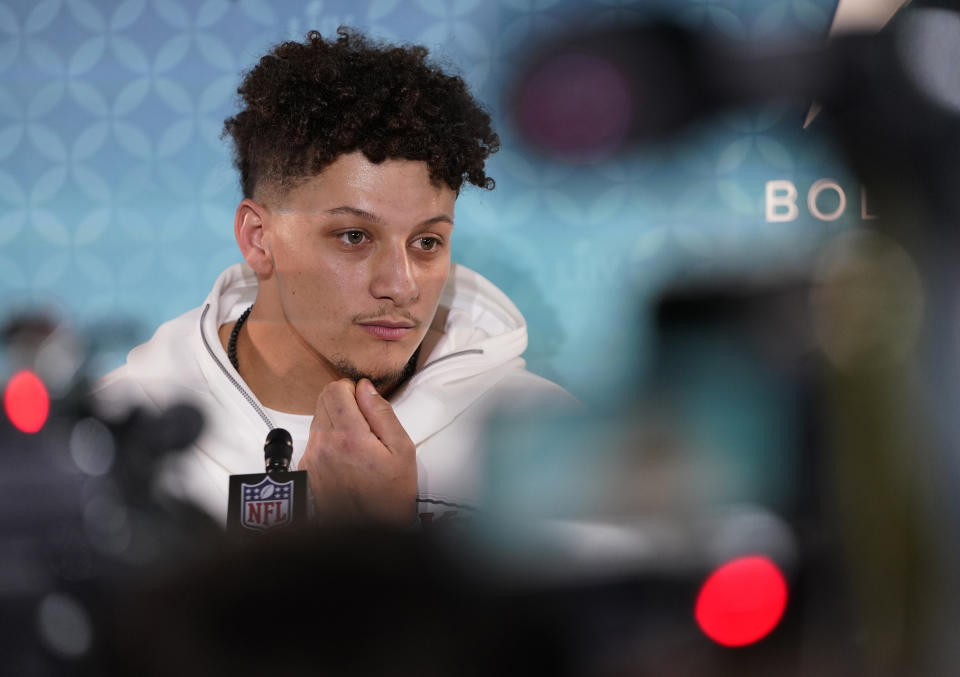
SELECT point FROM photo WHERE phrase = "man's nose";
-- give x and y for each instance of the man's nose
(394, 276)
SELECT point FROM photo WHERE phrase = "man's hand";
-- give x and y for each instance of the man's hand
(361, 462)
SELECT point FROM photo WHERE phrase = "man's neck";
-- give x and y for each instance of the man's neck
(282, 373)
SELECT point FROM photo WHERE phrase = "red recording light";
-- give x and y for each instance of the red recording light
(26, 402)
(742, 601)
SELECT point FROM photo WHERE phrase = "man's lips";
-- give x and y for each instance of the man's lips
(388, 330)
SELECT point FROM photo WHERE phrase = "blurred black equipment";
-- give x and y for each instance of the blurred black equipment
(80, 513)
(891, 97)
(864, 365)
(271, 500)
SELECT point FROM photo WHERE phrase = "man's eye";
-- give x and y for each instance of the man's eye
(428, 243)
(353, 237)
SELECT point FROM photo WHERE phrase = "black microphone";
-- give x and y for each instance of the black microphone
(277, 451)
(272, 500)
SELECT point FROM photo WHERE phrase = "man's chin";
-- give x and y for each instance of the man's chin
(384, 381)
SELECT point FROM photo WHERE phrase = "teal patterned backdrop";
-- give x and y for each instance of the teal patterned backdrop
(117, 194)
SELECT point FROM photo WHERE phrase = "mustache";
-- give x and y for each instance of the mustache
(386, 311)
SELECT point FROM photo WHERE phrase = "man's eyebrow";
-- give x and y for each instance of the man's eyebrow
(439, 218)
(353, 211)
(373, 218)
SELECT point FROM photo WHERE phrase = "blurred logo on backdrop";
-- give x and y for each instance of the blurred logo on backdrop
(826, 200)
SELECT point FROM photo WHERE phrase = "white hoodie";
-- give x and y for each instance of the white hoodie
(474, 368)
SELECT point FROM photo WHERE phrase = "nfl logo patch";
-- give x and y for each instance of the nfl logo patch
(266, 505)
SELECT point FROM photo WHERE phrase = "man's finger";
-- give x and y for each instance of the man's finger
(382, 419)
(340, 401)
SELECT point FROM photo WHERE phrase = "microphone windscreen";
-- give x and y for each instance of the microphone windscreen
(279, 445)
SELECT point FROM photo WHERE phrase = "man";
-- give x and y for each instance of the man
(347, 325)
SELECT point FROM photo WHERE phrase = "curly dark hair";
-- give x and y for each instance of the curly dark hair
(307, 103)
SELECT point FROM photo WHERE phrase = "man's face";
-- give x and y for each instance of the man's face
(360, 255)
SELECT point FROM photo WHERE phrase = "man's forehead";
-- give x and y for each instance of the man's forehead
(373, 217)
(354, 186)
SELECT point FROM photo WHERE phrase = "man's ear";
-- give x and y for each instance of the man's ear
(248, 230)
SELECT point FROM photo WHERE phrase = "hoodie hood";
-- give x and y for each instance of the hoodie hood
(481, 336)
